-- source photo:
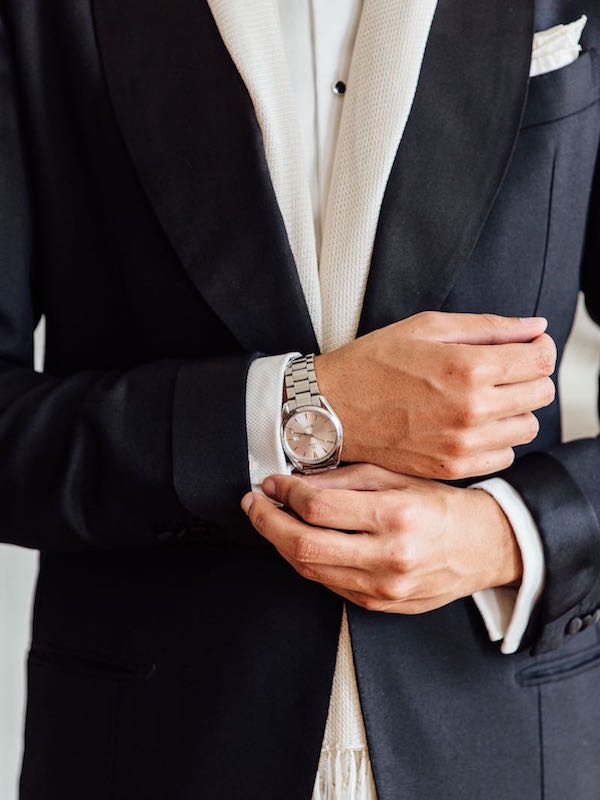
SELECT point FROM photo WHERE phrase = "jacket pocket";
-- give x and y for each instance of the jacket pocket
(568, 688)
(93, 664)
(70, 728)
(560, 668)
(564, 91)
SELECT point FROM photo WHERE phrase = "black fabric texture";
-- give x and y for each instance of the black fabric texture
(174, 652)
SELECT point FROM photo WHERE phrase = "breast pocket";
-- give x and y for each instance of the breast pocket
(564, 91)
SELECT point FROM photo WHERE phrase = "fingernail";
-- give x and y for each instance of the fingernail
(534, 320)
(268, 487)
(247, 501)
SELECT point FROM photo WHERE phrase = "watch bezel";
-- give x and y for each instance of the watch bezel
(304, 464)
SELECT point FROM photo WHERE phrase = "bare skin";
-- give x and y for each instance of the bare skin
(434, 396)
(440, 395)
(418, 543)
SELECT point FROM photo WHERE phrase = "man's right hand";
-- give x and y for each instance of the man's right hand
(440, 395)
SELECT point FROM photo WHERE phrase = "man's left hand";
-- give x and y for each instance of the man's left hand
(386, 541)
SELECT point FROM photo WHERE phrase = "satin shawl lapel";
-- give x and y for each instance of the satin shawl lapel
(452, 158)
(382, 80)
(252, 32)
(192, 133)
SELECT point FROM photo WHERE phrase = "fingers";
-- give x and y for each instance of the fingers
(365, 477)
(301, 543)
(409, 605)
(522, 397)
(495, 435)
(332, 501)
(472, 466)
(345, 578)
(507, 363)
(327, 508)
(478, 328)
(475, 408)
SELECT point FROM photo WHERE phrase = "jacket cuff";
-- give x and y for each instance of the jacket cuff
(570, 535)
(209, 446)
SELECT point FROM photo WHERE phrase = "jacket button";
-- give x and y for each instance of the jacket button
(182, 535)
(596, 616)
(197, 533)
(164, 536)
(574, 626)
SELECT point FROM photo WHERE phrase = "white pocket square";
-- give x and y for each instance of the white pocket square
(556, 47)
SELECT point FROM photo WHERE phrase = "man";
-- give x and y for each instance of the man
(153, 212)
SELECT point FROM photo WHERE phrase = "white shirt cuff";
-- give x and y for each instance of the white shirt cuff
(264, 388)
(506, 611)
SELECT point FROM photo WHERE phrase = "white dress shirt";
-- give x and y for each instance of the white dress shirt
(319, 37)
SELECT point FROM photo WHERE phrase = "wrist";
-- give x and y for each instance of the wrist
(330, 386)
(502, 554)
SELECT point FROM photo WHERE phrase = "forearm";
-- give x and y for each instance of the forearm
(121, 458)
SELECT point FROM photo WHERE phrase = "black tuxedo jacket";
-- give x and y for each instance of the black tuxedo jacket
(174, 653)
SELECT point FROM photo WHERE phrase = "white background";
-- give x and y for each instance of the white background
(578, 390)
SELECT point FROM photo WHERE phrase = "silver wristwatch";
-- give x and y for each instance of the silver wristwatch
(311, 432)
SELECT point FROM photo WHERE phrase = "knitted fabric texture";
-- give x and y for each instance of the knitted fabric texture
(386, 62)
(251, 31)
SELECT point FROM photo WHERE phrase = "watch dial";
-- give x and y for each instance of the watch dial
(311, 435)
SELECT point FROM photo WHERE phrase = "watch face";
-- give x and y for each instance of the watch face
(310, 435)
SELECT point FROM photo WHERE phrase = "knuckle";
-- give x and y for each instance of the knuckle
(494, 462)
(507, 458)
(306, 549)
(314, 508)
(370, 603)
(438, 469)
(453, 469)
(385, 589)
(306, 571)
(425, 319)
(470, 411)
(258, 517)
(378, 589)
(492, 321)
(473, 370)
(397, 515)
(549, 391)
(532, 427)
(546, 356)
(458, 443)
(460, 369)
(401, 559)
(375, 474)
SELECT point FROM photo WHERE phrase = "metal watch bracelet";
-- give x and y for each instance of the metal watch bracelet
(301, 383)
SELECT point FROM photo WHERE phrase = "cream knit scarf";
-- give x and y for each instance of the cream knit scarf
(386, 62)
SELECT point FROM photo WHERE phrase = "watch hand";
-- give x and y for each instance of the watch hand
(317, 440)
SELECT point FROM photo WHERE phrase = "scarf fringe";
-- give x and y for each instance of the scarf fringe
(344, 774)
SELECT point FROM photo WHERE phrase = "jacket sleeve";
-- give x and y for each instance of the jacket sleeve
(103, 459)
(561, 487)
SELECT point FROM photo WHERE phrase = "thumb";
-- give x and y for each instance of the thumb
(486, 328)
